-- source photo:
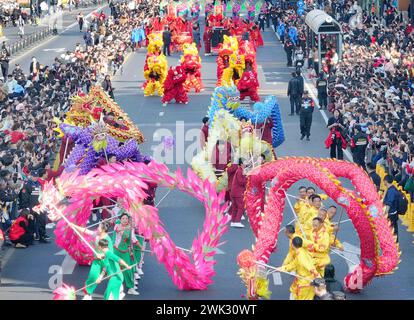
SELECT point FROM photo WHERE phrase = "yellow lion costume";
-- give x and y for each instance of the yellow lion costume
(191, 62)
(233, 73)
(155, 75)
(229, 46)
(155, 43)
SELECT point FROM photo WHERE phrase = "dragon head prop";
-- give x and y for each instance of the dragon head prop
(85, 109)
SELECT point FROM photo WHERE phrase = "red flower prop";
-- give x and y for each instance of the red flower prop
(245, 259)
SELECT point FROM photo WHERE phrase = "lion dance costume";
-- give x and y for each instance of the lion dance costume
(249, 83)
(233, 73)
(156, 66)
(174, 86)
(191, 62)
(155, 75)
(227, 48)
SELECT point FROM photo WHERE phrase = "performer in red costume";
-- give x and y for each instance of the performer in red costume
(248, 84)
(257, 35)
(174, 86)
(207, 40)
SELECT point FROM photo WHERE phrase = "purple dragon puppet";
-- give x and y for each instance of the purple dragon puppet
(94, 143)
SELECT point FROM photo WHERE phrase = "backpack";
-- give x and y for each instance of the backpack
(402, 203)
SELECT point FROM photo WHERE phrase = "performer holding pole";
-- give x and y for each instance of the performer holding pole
(127, 247)
(302, 264)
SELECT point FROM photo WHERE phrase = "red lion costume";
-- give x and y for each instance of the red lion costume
(174, 86)
(248, 85)
(191, 62)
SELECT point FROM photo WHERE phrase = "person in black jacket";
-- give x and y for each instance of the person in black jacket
(166, 38)
(4, 60)
(294, 94)
(331, 283)
(336, 131)
(306, 113)
(374, 175)
(34, 67)
(359, 146)
(29, 198)
(6, 195)
(289, 51)
(262, 20)
(322, 86)
(107, 86)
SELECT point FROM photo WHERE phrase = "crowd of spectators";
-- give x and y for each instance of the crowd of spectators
(372, 85)
(29, 103)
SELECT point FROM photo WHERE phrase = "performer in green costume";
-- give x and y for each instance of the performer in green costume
(128, 248)
(97, 264)
(112, 269)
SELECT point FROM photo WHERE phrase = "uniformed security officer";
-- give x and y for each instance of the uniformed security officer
(322, 86)
(359, 145)
(306, 113)
(289, 51)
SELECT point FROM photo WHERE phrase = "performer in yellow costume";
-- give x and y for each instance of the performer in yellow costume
(301, 203)
(233, 73)
(318, 244)
(333, 229)
(308, 212)
(290, 234)
(155, 75)
(304, 267)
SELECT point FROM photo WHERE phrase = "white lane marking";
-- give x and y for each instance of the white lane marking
(57, 50)
(351, 256)
(277, 279)
(169, 124)
(52, 38)
(7, 257)
(68, 264)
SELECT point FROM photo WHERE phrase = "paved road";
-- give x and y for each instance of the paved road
(31, 273)
(64, 20)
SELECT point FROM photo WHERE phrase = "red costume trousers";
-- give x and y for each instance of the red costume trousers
(252, 93)
(237, 208)
(178, 93)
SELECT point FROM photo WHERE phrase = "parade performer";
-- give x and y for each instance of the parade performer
(154, 47)
(94, 143)
(226, 49)
(155, 75)
(191, 63)
(207, 40)
(248, 84)
(174, 86)
(318, 245)
(233, 73)
(97, 264)
(111, 263)
(302, 264)
(128, 248)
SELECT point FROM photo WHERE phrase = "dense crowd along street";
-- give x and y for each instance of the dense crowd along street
(191, 150)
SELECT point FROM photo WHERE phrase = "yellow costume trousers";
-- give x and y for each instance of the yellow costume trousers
(152, 87)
